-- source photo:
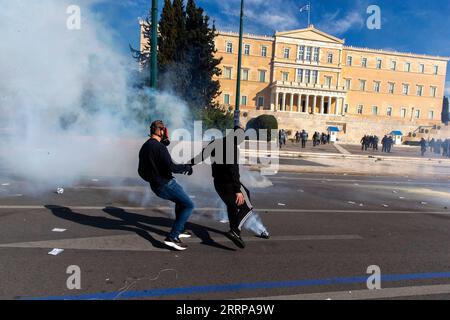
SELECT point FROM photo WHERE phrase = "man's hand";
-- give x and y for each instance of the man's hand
(240, 199)
(189, 170)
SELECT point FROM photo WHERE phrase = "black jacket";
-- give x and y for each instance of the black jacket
(156, 165)
(225, 163)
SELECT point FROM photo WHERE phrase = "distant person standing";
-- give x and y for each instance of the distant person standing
(431, 145)
(384, 144)
(304, 136)
(363, 142)
(375, 143)
(390, 142)
(281, 138)
(446, 148)
(423, 146)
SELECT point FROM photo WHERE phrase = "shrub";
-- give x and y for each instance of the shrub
(263, 122)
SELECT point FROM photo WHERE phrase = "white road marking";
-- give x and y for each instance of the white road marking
(258, 210)
(341, 149)
(366, 294)
(133, 242)
(390, 182)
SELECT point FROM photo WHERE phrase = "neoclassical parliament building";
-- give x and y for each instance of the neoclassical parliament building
(310, 80)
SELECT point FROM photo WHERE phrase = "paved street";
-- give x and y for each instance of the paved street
(326, 229)
(355, 149)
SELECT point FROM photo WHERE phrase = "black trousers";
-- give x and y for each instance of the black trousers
(236, 215)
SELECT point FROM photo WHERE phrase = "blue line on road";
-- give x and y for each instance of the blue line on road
(151, 293)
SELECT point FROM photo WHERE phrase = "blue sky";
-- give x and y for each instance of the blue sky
(416, 26)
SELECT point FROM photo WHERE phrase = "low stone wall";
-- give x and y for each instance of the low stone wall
(352, 127)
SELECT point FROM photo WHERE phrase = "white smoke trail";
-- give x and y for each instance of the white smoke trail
(255, 224)
(67, 103)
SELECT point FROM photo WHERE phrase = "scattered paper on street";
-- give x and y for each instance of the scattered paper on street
(55, 252)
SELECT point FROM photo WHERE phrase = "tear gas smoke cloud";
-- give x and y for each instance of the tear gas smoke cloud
(67, 102)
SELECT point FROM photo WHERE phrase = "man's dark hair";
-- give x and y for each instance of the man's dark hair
(155, 125)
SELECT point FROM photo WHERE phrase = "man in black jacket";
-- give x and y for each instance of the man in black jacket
(156, 167)
(225, 171)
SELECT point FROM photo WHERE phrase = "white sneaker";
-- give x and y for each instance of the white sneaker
(175, 243)
(185, 234)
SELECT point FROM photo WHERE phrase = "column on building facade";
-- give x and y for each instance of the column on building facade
(314, 104)
(277, 102)
(283, 105)
(299, 104)
(272, 102)
(342, 107)
(292, 102)
(307, 104)
(322, 104)
(338, 104)
(329, 105)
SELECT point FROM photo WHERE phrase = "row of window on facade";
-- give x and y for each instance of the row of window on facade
(391, 88)
(312, 54)
(407, 67)
(227, 74)
(359, 108)
(229, 49)
(389, 112)
(311, 77)
(244, 100)
(304, 53)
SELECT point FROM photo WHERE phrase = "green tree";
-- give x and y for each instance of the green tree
(143, 57)
(216, 117)
(187, 64)
(263, 122)
(201, 56)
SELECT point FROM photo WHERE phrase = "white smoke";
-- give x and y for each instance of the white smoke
(67, 103)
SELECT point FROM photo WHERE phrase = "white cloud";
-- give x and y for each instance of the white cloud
(333, 24)
(260, 15)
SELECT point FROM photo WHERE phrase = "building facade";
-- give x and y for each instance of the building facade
(310, 80)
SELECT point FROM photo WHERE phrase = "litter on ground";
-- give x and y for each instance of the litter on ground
(55, 252)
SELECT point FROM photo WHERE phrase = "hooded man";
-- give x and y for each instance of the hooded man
(225, 171)
(156, 167)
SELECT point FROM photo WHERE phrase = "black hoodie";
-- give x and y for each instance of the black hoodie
(156, 164)
(224, 171)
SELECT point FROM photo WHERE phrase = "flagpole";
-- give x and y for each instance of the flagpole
(309, 14)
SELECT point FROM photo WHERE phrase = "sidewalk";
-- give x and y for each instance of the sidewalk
(330, 160)
(344, 151)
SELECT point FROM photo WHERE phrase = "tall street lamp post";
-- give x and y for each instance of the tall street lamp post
(238, 83)
(154, 47)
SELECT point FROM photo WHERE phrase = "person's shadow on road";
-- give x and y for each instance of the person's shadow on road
(140, 224)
